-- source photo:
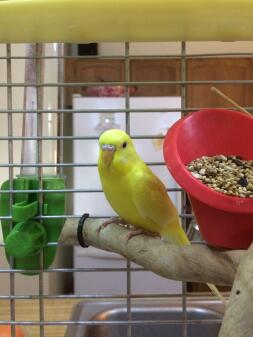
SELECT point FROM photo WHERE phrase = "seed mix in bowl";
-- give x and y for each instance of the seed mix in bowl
(230, 175)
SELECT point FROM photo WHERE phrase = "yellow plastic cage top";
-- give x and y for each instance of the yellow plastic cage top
(125, 20)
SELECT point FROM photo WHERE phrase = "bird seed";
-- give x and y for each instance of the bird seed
(230, 175)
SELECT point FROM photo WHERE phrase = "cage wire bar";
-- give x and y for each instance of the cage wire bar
(39, 49)
(61, 111)
(128, 263)
(183, 194)
(10, 157)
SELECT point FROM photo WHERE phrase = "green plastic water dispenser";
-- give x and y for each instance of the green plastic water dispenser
(27, 238)
(27, 235)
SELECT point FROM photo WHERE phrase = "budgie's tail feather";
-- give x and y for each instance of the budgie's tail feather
(177, 236)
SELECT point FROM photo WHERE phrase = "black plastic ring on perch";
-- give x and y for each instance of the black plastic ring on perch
(80, 236)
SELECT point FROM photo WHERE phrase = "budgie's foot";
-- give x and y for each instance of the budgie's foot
(136, 232)
(110, 221)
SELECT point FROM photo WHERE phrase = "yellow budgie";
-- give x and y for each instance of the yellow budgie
(135, 193)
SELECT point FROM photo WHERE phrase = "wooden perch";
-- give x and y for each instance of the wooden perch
(238, 321)
(195, 263)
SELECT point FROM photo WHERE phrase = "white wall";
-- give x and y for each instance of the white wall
(168, 48)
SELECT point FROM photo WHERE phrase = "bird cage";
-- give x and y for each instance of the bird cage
(152, 62)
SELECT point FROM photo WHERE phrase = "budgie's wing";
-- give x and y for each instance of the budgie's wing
(151, 199)
(152, 202)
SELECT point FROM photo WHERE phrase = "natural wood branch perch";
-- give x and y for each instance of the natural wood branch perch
(238, 321)
(196, 263)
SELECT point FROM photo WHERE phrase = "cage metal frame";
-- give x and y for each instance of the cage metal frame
(183, 83)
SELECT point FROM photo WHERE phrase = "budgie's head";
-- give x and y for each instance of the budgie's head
(116, 149)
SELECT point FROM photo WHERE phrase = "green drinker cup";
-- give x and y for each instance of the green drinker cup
(26, 236)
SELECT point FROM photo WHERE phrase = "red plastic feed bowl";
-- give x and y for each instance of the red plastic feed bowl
(224, 221)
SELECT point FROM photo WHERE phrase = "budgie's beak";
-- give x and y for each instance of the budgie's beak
(108, 151)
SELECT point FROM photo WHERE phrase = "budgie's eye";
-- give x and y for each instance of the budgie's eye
(124, 145)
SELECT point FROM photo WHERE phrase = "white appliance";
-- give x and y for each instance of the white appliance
(95, 203)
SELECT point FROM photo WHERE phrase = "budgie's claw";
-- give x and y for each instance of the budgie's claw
(108, 222)
(136, 232)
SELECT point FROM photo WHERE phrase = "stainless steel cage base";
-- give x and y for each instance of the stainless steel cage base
(150, 317)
